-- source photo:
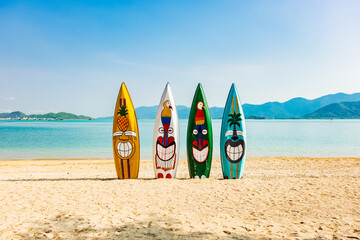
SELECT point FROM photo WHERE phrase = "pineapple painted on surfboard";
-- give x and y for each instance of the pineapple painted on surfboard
(126, 146)
(122, 120)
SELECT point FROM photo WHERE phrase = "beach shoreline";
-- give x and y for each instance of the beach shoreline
(292, 198)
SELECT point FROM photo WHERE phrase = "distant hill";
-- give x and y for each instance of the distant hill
(60, 115)
(343, 110)
(149, 112)
(216, 112)
(296, 107)
(16, 114)
(146, 112)
(183, 112)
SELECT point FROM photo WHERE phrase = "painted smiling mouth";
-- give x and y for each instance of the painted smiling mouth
(200, 155)
(234, 151)
(165, 153)
(124, 149)
(165, 156)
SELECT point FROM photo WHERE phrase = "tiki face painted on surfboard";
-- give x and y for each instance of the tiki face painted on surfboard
(233, 137)
(126, 145)
(199, 137)
(166, 137)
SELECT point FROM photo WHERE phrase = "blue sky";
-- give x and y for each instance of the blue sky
(73, 55)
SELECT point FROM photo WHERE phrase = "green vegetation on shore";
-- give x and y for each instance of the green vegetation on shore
(47, 116)
(13, 115)
(60, 115)
(342, 110)
(297, 107)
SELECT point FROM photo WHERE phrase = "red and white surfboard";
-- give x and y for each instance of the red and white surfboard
(166, 137)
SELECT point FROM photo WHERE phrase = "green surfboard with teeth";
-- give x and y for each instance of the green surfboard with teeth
(199, 136)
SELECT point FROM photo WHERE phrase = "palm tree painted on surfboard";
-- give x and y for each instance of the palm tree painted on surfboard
(234, 147)
(234, 120)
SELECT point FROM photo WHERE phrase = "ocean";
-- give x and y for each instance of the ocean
(92, 139)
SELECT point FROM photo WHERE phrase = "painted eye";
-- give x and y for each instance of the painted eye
(161, 130)
(168, 103)
(195, 132)
(204, 131)
(170, 130)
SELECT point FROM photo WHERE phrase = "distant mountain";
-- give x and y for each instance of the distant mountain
(343, 110)
(60, 115)
(216, 112)
(183, 112)
(16, 114)
(104, 118)
(149, 112)
(296, 107)
(146, 112)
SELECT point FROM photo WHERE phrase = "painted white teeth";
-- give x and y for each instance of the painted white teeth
(200, 155)
(234, 153)
(165, 157)
(124, 149)
(165, 153)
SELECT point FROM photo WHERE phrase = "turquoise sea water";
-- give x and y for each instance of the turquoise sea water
(92, 139)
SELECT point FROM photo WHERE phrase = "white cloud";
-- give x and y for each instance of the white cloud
(9, 99)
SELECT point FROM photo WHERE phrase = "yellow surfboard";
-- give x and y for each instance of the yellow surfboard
(126, 145)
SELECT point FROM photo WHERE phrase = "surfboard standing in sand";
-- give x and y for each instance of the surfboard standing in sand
(126, 146)
(233, 137)
(199, 136)
(166, 137)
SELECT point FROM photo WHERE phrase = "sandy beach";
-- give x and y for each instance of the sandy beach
(291, 198)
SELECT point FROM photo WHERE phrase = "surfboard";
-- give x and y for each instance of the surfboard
(199, 136)
(233, 137)
(126, 146)
(166, 137)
